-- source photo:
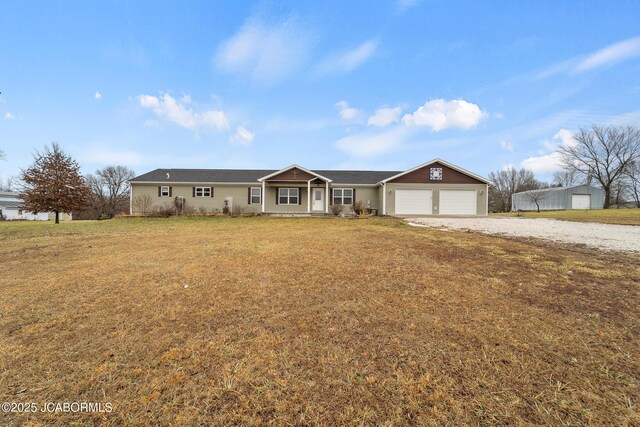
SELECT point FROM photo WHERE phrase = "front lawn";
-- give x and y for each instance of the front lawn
(313, 321)
(607, 216)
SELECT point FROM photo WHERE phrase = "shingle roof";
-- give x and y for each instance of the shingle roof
(10, 204)
(252, 175)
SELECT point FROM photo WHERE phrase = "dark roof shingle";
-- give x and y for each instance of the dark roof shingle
(252, 175)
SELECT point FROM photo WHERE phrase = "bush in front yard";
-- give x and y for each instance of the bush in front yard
(337, 209)
(360, 208)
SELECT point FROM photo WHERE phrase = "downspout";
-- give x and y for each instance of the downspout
(130, 199)
(264, 196)
(486, 196)
(309, 196)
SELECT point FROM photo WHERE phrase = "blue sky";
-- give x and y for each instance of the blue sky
(363, 85)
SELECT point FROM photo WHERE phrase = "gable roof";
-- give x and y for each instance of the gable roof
(293, 167)
(449, 165)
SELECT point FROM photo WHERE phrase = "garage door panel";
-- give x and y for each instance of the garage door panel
(580, 201)
(413, 202)
(458, 202)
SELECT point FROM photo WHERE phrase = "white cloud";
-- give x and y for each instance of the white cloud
(542, 164)
(610, 55)
(243, 136)
(403, 5)
(97, 96)
(350, 60)
(385, 116)
(439, 115)
(265, 53)
(550, 162)
(9, 116)
(168, 108)
(368, 144)
(506, 145)
(346, 112)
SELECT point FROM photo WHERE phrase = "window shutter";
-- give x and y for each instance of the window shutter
(170, 188)
(331, 196)
(211, 192)
(300, 196)
(277, 196)
(159, 191)
(193, 191)
(354, 196)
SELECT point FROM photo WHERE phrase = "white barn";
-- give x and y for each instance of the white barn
(559, 198)
(11, 209)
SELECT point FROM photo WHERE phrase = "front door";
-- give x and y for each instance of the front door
(318, 199)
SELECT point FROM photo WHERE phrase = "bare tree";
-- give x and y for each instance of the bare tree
(53, 183)
(603, 153)
(537, 196)
(566, 178)
(10, 184)
(110, 190)
(632, 175)
(506, 182)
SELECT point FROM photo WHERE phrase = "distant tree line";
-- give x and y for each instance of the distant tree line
(603, 156)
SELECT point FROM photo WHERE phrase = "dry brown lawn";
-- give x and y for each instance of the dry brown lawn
(274, 321)
(622, 216)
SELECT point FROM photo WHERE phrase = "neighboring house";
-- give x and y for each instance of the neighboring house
(436, 187)
(11, 209)
(559, 198)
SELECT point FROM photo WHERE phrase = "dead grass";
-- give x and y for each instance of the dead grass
(276, 321)
(605, 216)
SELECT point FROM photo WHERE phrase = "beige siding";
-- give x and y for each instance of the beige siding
(481, 199)
(239, 193)
(363, 194)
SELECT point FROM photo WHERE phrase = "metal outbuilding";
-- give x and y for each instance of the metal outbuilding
(559, 198)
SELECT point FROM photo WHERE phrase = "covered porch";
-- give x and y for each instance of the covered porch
(295, 190)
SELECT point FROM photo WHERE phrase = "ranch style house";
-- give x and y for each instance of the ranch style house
(433, 188)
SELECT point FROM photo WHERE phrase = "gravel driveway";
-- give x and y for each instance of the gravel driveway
(602, 236)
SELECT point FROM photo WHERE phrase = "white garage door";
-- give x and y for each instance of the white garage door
(413, 202)
(580, 201)
(458, 202)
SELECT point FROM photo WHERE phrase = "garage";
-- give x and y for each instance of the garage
(413, 202)
(458, 202)
(580, 201)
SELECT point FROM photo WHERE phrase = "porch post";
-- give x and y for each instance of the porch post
(384, 198)
(326, 198)
(308, 196)
(263, 195)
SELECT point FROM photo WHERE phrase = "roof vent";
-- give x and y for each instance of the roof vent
(168, 175)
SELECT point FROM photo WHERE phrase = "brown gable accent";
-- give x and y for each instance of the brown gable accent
(423, 176)
(293, 174)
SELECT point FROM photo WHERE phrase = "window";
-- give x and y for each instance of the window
(256, 195)
(287, 196)
(343, 196)
(164, 191)
(203, 191)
